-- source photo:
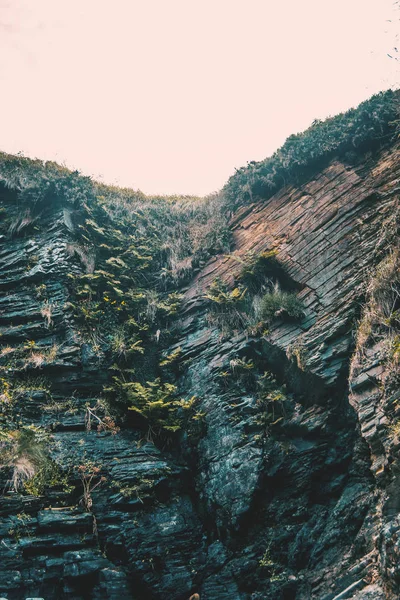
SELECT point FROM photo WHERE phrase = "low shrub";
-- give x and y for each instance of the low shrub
(280, 304)
(258, 269)
(229, 309)
(25, 452)
(272, 400)
(380, 319)
(156, 404)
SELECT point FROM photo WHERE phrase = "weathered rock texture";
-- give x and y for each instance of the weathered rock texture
(292, 511)
(308, 490)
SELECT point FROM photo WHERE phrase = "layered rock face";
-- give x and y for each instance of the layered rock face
(308, 488)
(302, 506)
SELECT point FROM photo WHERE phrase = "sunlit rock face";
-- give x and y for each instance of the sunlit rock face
(294, 497)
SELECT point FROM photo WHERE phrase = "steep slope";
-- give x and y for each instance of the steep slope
(162, 432)
(305, 494)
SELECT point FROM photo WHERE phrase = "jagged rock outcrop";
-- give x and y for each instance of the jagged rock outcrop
(300, 505)
(315, 473)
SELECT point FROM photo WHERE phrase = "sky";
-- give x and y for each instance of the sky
(170, 96)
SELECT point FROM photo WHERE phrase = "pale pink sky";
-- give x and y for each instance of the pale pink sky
(169, 96)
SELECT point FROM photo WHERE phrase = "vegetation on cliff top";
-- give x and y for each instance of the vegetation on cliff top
(358, 130)
(128, 254)
(344, 136)
(182, 231)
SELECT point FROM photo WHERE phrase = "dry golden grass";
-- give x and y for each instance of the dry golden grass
(47, 312)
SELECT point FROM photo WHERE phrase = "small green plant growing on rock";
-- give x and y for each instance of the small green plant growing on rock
(395, 349)
(49, 476)
(266, 563)
(394, 430)
(141, 490)
(124, 343)
(266, 560)
(5, 393)
(32, 261)
(257, 269)
(244, 307)
(227, 307)
(241, 364)
(241, 367)
(280, 304)
(47, 313)
(41, 291)
(156, 404)
(119, 344)
(25, 452)
(272, 400)
(380, 321)
(171, 358)
(220, 295)
(21, 527)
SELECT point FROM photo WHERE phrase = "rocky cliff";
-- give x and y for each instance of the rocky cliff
(164, 434)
